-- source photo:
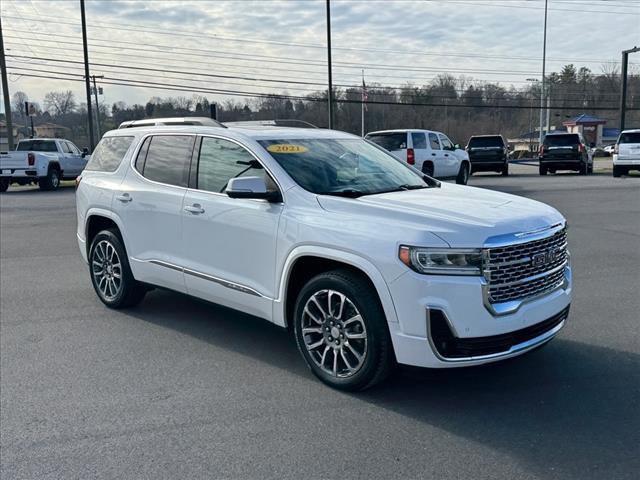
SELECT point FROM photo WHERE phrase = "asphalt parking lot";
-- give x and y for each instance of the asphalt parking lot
(177, 388)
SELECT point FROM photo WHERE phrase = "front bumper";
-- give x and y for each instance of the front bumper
(461, 302)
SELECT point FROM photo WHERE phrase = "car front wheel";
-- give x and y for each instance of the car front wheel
(4, 184)
(463, 174)
(341, 331)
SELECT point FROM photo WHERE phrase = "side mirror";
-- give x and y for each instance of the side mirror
(85, 152)
(457, 146)
(251, 187)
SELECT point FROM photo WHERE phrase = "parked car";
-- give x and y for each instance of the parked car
(45, 161)
(610, 148)
(366, 260)
(626, 155)
(430, 152)
(565, 151)
(488, 153)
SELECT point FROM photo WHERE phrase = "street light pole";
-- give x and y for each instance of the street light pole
(544, 64)
(330, 95)
(87, 80)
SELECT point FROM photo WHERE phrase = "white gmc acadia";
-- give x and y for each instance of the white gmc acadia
(368, 261)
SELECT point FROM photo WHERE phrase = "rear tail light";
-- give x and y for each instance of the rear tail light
(411, 156)
(31, 159)
(581, 148)
(616, 149)
(541, 150)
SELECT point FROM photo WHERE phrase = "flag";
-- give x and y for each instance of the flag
(365, 95)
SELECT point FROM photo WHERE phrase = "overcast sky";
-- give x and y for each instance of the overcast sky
(271, 43)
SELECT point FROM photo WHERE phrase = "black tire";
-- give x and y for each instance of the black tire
(583, 169)
(377, 358)
(130, 292)
(427, 168)
(4, 184)
(590, 169)
(505, 170)
(52, 180)
(542, 170)
(617, 171)
(463, 174)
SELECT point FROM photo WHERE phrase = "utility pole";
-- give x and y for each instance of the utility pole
(330, 93)
(544, 64)
(533, 80)
(95, 92)
(87, 80)
(623, 79)
(5, 92)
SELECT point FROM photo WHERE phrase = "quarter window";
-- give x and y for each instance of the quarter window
(220, 161)
(434, 142)
(169, 159)
(419, 140)
(109, 153)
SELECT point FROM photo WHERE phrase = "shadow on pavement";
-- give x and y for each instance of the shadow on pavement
(569, 410)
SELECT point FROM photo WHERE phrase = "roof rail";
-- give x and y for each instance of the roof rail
(283, 122)
(172, 121)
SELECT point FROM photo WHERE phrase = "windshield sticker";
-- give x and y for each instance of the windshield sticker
(286, 148)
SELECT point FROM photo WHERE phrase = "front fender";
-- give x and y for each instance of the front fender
(351, 259)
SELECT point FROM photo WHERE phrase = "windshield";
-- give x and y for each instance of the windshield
(561, 140)
(484, 142)
(630, 137)
(389, 141)
(37, 146)
(347, 167)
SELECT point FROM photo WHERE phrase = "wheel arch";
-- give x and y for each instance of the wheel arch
(99, 219)
(303, 263)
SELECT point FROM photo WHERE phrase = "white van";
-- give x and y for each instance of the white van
(430, 152)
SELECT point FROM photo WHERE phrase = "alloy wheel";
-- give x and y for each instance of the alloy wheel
(106, 269)
(334, 333)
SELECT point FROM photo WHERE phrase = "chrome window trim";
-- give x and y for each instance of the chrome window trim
(205, 276)
(528, 345)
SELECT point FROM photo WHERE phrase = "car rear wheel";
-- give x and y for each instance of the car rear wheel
(111, 274)
(341, 331)
(617, 171)
(542, 170)
(583, 169)
(51, 181)
(4, 184)
(463, 174)
(505, 170)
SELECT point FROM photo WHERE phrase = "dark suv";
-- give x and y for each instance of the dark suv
(564, 151)
(488, 153)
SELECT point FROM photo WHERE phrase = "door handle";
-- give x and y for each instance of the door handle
(446, 154)
(124, 198)
(433, 154)
(196, 209)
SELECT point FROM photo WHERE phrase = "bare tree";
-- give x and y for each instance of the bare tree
(17, 101)
(60, 103)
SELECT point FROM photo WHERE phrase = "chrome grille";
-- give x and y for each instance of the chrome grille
(527, 269)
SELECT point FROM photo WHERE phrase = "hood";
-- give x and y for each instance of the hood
(461, 216)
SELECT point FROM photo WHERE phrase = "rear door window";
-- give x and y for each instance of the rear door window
(561, 140)
(630, 137)
(389, 141)
(434, 142)
(169, 159)
(109, 153)
(419, 140)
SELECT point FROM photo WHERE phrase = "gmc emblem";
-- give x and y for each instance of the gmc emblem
(540, 259)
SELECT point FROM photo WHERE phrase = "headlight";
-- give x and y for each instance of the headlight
(442, 261)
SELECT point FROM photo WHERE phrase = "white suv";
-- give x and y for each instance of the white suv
(430, 152)
(365, 259)
(626, 153)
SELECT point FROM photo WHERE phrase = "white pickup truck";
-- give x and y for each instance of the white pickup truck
(45, 161)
